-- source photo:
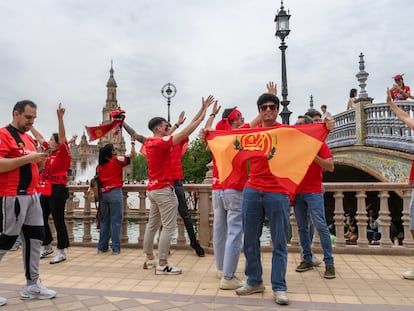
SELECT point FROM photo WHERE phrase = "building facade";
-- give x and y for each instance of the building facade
(84, 154)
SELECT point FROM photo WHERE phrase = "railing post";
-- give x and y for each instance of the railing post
(408, 241)
(361, 217)
(87, 237)
(294, 241)
(339, 218)
(385, 219)
(69, 215)
(142, 217)
(204, 210)
(124, 225)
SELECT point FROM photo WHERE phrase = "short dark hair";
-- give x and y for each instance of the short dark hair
(56, 137)
(21, 105)
(227, 112)
(154, 122)
(306, 119)
(323, 106)
(313, 112)
(267, 97)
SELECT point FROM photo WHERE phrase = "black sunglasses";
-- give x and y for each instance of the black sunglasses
(271, 107)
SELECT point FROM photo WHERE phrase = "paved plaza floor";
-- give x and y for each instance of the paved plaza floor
(88, 281)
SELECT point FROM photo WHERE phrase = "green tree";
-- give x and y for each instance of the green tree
(140, 167)
(195, 161)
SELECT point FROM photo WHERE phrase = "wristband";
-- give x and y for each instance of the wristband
(212, 115)
(132, 142)
(176, 125)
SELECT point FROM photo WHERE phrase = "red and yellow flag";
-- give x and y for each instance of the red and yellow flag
(96, 132)
(289, 150)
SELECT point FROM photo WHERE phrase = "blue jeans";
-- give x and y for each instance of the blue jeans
(228, 229)
(312, 204)
(275, 206)
(111, 220)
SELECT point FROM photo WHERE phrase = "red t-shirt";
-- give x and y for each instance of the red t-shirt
(177, 153)
(22, 180)
(158, 153)
(110, 174)
(396, 95)
(260, 177)
(57, 165)
(312, 182)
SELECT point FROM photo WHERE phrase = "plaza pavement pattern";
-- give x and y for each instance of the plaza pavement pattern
(88, 281)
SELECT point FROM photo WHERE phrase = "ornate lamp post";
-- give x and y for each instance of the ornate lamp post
(168, 91)
(282, 31)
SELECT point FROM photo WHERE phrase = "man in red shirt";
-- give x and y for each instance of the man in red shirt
(20, 208)
(309, 202)
(164, 202)
(264, 196)
(177, 176)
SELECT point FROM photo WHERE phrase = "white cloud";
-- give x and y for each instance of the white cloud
(60, 51)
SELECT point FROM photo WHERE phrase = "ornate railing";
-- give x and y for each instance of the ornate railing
(204, 217)
(373, 125)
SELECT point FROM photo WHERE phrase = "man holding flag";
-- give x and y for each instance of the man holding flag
(270, 151)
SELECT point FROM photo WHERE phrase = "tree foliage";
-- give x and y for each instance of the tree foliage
(140, 167)
(195, 161)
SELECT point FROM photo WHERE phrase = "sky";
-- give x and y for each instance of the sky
(60, 52)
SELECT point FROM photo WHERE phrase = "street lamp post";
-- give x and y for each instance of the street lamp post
(282, 31)
(168, 91)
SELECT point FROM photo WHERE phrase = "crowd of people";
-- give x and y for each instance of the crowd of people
(34, 176)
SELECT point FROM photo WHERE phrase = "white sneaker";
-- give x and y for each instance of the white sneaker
(37, 291)
(233, 283)
(59, 257)
(46, 252)
(316, 261)
(409, 275)
(219, 274)
(167, 269)
(280, 297)
(150, 263)
(3, 301)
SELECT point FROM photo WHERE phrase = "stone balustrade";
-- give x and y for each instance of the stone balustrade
(204, 217)
(373, 125)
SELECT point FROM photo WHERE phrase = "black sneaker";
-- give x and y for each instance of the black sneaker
(199, 250)
(329, 272)
(304, 266)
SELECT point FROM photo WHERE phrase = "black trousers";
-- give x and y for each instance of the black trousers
(55, 205)
(183, 210)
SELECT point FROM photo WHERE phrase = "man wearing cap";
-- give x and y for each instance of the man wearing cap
(399, 90)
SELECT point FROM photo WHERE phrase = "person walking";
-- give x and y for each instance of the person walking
(20, 208)
(109, 170)
(164, 202)
(53, 188)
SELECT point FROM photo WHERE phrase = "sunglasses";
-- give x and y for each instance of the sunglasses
(271, 107)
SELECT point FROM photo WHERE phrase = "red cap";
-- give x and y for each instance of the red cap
(223, 125)
(398, 77)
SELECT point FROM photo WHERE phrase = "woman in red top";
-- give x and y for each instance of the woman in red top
(53, 188)
(109, 172)
(399, 90)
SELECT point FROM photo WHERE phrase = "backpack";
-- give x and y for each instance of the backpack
(95, 188)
